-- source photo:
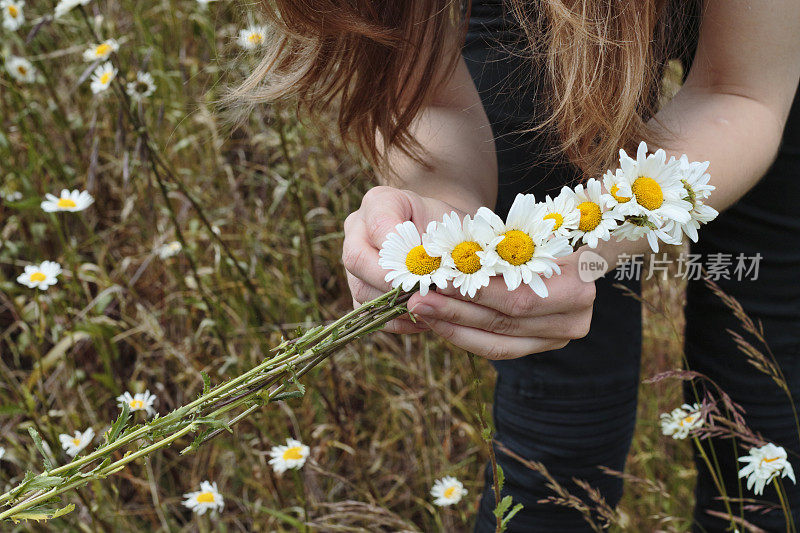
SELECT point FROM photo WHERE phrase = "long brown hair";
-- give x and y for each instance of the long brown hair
(376, 62)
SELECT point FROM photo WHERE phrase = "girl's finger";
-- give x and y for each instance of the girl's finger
(492, 345)
(465, 313)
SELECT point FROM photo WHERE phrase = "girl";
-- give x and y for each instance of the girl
(540, 94)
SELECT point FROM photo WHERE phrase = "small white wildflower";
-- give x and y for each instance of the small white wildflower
(40, 276)
(291, 456)
(142, 87)
(447, 491)
(101, 51)
(102, 77)
(71, 201)
(681, 420)
(763, 464)
(141, 401)
(205, 499)
(21, 69)
(73, 444)
(13, 17)
(252, 37)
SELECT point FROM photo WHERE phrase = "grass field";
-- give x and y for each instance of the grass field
(258, 210)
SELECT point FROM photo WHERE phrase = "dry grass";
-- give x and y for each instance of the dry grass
(384, 418)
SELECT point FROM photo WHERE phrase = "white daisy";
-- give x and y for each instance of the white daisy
(447, 491)
(695, 180)
(21, 69)
(71, 201)
(13, 17)
(408, 263)
(597, 220)
(142, 87)
(141, 401)
(649, 186)
(64, 6)
(527, 247)
(252, 37)
(563, 211)
(291, 456)
(681, 421)
(73, 444)
(40, 276)
(102, 77)
(205, 499)
(169, 249)
(459, 244)
(204, 3)
(101, 51)
(763, 464)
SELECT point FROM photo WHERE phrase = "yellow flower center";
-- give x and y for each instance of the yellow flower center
(13, 11)
(420, 263)
(621, 199)
(590, 216)
(517, 247)
(37, 277)
(105, 78)
(557, 217)
(205, 497)
(22, 70)
(102, 49)
(465, 258)
(292, 453)
(76, 442)
(255, 38)
(689, 419)
(66, 203)
(448, 492)
(769, 459)
(648, 193)
(136, 404)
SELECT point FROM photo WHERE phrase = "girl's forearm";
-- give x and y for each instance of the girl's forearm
(737, 134)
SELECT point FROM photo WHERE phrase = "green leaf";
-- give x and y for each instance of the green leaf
(33, 482)
(119, 424)
(503, 506)
(504, 524)
(42, 514)
(37, 440)
(501, 478)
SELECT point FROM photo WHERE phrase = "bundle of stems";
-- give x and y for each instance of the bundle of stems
(214, 411)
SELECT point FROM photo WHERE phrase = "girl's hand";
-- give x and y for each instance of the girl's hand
(498, 324)
(365, 230)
